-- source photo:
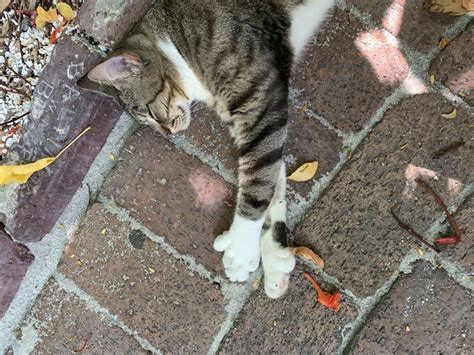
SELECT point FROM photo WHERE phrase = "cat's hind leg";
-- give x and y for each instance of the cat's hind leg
(277, 259)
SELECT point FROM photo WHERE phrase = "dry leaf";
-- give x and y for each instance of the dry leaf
(326, 299)
(66, 11)
(44, 16)
(309, 255)
(21, 173)
(450, 116)
(452, 7)
(443, 42)
(4, 4)
(305, 172)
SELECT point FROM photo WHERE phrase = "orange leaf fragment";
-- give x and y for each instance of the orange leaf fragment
(309, 255)
(55, 34)
(326, 299)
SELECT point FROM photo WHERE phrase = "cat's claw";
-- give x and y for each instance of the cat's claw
(278, 263)
(241, 251)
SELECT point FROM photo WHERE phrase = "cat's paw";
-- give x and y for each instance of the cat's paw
(278, 263)
(241, 247)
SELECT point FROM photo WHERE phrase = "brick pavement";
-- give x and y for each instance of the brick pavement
(138, 274)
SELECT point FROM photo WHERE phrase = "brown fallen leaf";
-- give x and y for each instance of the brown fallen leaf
(452, 7)
(305, 172)
(443, 42)
(309, 255)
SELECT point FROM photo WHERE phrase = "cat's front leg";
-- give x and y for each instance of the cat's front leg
(260, 141)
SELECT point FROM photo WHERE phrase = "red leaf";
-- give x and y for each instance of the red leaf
(55, 34)
(326, 299)
(448, 240)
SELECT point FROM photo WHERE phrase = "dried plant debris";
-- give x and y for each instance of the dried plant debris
(452, 7)
(25, 49)
(305, 172)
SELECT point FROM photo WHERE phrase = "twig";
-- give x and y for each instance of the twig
(15, 119)
(14, 90)
(447, 149)
(412, 232)
(83, 347)
(439, 201)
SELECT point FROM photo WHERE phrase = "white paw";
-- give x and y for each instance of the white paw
(278, 263)
(241, 247)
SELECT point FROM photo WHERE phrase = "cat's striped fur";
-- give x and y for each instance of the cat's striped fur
(236, 55)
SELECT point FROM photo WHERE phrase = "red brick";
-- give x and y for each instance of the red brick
(61, 323)
(15, 259)
(308, 140)
(109, 22)
(407, 20)
(463, 252)
(293, 324)
(454, 66)
(425, 312)
(348, 72)
(169, 305)
(59, 112)
(351, 225)
(173, 194)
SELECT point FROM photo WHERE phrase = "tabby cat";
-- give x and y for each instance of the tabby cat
(236, 56)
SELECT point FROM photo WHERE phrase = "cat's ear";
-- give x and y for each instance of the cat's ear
(109, 75)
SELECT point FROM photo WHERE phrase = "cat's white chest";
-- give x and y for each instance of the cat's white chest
(193, 87)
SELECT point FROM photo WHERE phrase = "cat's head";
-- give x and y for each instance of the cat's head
(147, 94)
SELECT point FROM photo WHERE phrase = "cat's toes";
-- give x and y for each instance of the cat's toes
(222, 242)
(240, 258)
(277, 266)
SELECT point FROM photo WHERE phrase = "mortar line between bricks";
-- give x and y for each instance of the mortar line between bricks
(456, 272)
(49, 250)
(70, 286)
(447, 94)
(214, 163)
(352, 141)
(124, 216)
(235, 294)
(418, 61)
(303, 107)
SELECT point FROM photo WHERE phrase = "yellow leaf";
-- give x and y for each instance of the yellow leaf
(40, 22)
(52, 15)
(443, 43)
(66, 11)
(305, 172)
(43, 16)
(450, 116)
(309, 255)
(21, 173)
